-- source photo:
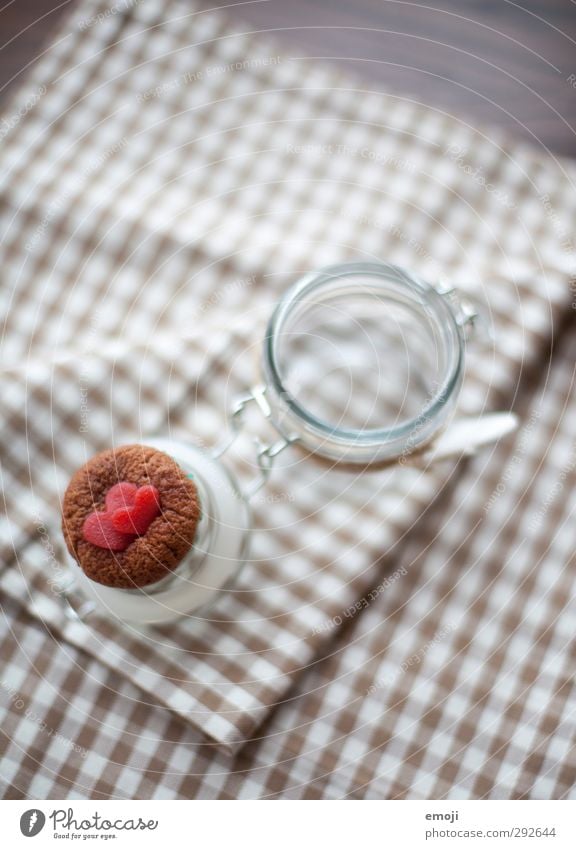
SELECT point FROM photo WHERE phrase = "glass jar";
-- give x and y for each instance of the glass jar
(363, 362)
(219, 551)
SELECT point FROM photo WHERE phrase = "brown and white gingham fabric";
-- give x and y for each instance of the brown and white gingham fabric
(171, 177)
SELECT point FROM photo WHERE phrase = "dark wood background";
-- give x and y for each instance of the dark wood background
(500, 62)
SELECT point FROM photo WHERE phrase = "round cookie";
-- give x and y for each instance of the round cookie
(155, 553)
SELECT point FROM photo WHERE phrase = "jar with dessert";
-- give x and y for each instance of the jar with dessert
(361, 364)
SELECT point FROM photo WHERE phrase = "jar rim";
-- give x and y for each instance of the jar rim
(370, 441)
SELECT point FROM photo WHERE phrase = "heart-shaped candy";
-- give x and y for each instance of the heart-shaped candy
(137, 518)
(128, 514)
(99, 530)
(121, 495)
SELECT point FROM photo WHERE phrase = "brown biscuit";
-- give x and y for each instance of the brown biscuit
(170, 536)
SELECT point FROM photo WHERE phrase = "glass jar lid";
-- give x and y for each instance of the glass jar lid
(363, 361)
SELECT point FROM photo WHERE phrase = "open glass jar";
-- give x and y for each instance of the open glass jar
(361, 363)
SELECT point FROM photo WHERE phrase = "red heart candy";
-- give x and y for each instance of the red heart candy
(138, 518)
(121, 495)
(99, 530)
(129, 512)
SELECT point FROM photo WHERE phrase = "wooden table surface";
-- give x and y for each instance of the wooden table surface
(509, 64)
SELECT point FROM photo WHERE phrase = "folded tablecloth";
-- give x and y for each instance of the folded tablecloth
(168, 179)
(455, 684)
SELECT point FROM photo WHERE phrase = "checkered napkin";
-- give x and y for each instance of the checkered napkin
(169, 178)
(457, 683)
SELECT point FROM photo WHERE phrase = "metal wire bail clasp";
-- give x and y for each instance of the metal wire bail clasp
(468, 314)
(266, 452)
